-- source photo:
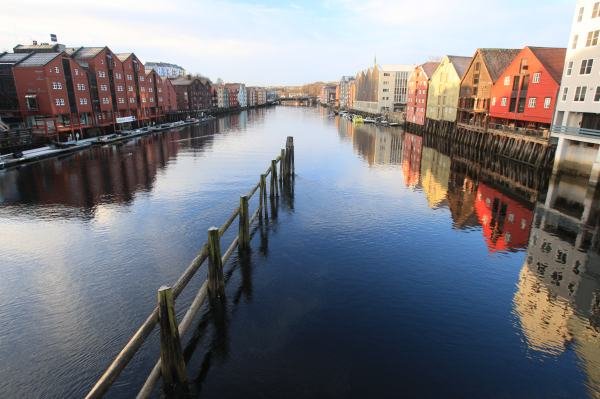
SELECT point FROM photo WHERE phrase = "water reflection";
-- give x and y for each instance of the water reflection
(493, 197)
(558, 295)
(73, 186)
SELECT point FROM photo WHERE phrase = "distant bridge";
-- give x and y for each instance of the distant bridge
(298, 101)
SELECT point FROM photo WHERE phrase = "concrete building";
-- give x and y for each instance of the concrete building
(418, 86)
(577, 119)
(166, 70)
(328, 94)
(382, 89)
(444, 88)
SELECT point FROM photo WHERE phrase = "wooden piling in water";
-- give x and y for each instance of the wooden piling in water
(244, 228)
(274, 185)
(289, 152)
(216, 281)
(262, 201)
(282, 165)
(171, 357)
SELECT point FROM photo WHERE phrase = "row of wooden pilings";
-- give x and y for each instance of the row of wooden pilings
(475, 141)
(171, 365)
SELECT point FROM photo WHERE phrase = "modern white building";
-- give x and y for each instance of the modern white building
(242, 96)
(393, 87)
(165, 69)
(577, 119)
(382, 89)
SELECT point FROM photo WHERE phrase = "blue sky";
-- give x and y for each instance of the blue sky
(288, 42)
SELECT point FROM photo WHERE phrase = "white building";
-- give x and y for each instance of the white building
(165, 69)
(242, 98)
(393, 87)
(577, 118)
(382, 89)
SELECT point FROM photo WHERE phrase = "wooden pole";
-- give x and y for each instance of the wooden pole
(171, 357)
(244, 228)
(274, 188)
(282, 165)
(289, 150)
(263, 195)
(216, 282)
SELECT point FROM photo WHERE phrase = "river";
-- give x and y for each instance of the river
(398, 267)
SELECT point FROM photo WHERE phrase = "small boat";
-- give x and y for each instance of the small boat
(393, 124)
(369, 120)
(357, 119)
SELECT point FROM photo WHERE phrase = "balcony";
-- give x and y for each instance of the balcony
(576, 131)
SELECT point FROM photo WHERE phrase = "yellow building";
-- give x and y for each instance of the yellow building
(444, 88)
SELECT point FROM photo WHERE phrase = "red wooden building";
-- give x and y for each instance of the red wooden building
(418, 85)
(525, 94)
(53, 94)
(133, 69)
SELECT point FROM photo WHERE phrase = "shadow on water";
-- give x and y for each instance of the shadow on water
(209, 341)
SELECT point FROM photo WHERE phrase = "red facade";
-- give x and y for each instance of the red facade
(418, 86)
(525, 94)
(506, 223)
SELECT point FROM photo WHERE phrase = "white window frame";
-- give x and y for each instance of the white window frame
(536, 77)
(507, 81)
(504, 101)
(532, 102)
(547, 102)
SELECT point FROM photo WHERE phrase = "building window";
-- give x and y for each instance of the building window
(142, 88)
(131, 100)
(569, 68)
(121, 101)
(101, 74)
(597, 96)
(151, 99)
(76, 72)
(565, 92)
(141, 78)
(143, 99)
(386, 74)
(592, 38)
(532, 102)
(580, 15)
(580, 93)
(507, 81)
(596, 11)
(118, 76)
(586, 67)
(129, 77)
(59, 101)
(493, 101)
(119, 88)
(150, 89)
(56, 85)
(103, 88)
(575, 40)
(504, 101)
(105, 100)
(83, 101)
(129, 88)
(536, 77)
(547, 102)
(56, 70)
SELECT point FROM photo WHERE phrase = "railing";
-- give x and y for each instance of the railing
(575, 131)
(171, 364)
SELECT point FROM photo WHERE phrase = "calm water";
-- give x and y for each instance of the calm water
(398, 268)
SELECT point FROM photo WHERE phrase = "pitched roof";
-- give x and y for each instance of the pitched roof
(429, 68)
(123, 56)
(497, 59)
(87, 52)
(44, 47)
(38, 59)
(552, 58)
(461, 64)
(13, 58)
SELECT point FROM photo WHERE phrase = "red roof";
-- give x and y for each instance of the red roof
(552, 58)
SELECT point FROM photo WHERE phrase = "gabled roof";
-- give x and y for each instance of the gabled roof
(43, 47)
(123, 56)
(429, 68)
(552, 58)
(84, 53)
(497, 59)
(38, 59)
(461, 64)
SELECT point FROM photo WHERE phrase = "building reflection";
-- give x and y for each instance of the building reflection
(412, 147)
(107, 174)
(558, 294)
(435, 175)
